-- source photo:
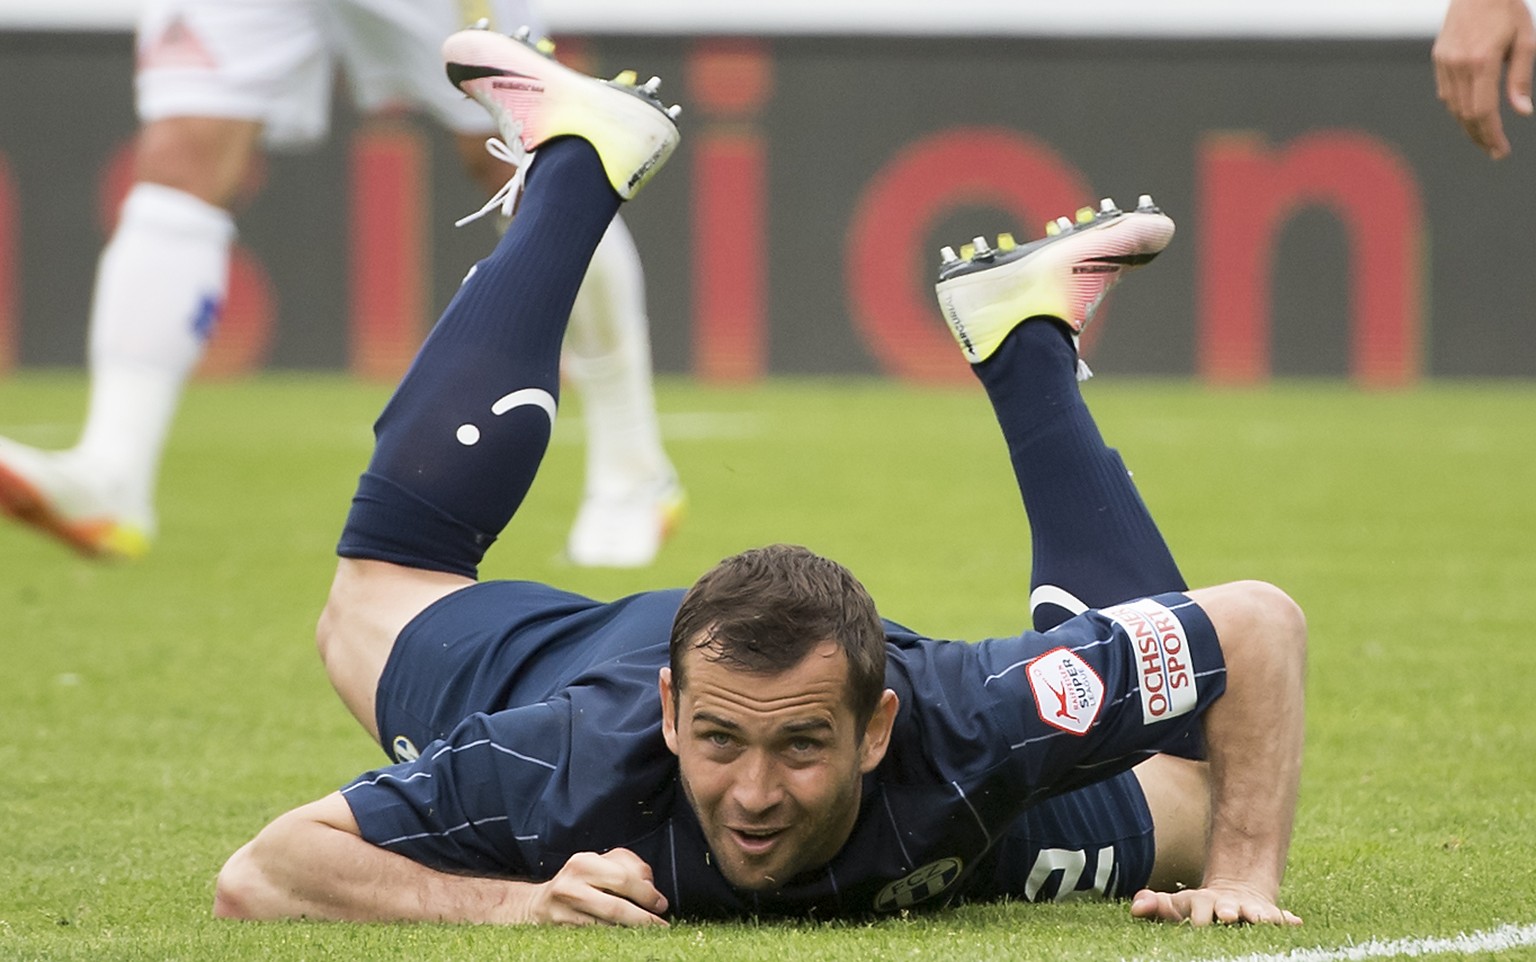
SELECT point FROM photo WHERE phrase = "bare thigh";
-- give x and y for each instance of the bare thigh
(369, 604)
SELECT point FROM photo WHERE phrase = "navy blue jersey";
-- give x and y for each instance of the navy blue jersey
(527, 722)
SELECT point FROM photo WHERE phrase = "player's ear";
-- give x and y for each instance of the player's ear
(877, 734)
(668, 708)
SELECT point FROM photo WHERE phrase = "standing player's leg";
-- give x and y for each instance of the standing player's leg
(459, 443)
(1017, 313)
(211, 78)
(632, 498)
(160, 285)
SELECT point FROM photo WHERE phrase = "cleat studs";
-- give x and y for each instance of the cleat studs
(1107, 206)
(947, 256)
(675, 111)
(481, 24)
(1052, 228)
(1063, 223)
(625, 78)
(1144, 202)
(545, 46)
(967, 251)
(1085, 215)
(983, 249)
(1005, 242)
(651, 86)
(523, 33)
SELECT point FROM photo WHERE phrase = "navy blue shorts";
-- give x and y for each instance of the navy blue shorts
(1095, 841)
(504, 644)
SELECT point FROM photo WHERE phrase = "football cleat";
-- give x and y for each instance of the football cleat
(986, 292)
(47, 491)
(534, 98)
(626, 530)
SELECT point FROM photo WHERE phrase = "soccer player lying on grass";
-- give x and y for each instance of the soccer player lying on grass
(764, 744)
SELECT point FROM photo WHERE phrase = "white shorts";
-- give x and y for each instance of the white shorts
(275, 60)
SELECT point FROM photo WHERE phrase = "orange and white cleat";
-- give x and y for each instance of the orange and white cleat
(49, 492)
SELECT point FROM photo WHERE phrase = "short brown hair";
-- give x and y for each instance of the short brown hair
(765, 609)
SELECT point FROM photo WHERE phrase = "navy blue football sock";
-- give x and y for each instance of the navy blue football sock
(1090, 533)
(458, 445)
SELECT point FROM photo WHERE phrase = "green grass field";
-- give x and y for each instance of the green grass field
(156, 715)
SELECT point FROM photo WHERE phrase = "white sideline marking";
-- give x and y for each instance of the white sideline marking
(1501, 939)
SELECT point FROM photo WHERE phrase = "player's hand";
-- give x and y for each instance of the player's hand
(1217, 904)
(614, 888)
(1480, 40)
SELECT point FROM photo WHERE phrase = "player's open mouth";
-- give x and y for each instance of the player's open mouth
(755, 841)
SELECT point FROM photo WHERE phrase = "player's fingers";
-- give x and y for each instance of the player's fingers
(1479, 99)
(1155, 907)
(1444, 85)
(1146, 904)
(573, 899)
(1249, 911)
(1487, 132)
(629, 862)
(1522, 58)
(635, 880)
(1467, 82)
(612, 909)
(599, 908)
(1200, 907)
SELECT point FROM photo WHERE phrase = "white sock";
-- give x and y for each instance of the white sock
(608, 360)
(160, 285)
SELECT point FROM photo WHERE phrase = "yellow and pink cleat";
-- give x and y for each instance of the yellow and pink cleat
(534, 98)
(986, 291)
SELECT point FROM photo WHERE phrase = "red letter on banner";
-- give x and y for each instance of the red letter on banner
(388, 291)
(1249, 191)
(729, 81)
(890, 269)
(8, 272)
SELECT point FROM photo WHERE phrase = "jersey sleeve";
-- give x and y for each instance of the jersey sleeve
(469, 803)
(1009, 722)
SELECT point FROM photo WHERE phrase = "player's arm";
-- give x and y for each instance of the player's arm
(1479, 41)
(313, 863)
(1253, 736)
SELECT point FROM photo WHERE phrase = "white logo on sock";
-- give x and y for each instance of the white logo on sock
(469, 434)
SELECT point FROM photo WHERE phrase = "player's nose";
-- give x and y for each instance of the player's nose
(756, 787)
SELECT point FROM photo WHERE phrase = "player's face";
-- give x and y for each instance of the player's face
(772, 763)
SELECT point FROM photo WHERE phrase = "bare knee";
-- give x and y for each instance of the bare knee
(207, 157)
(1255, 615)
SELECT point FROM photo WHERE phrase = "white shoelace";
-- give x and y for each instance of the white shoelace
(506, 197)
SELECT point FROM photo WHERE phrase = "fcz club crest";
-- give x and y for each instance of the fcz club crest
(925, 883)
